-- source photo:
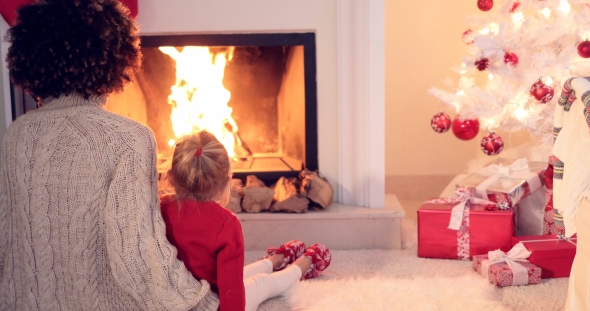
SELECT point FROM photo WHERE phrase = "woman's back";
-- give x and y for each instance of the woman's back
(77, 223)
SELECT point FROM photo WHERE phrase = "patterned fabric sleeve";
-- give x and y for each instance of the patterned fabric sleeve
(142, 260)
(586, 102)
(558, 167)
(563, 106)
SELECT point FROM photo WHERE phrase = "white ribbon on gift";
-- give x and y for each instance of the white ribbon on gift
(517, 253)
(519, 169)
(464, 197)
(558, 238)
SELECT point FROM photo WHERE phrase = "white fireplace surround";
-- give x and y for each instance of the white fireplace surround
(350, 74)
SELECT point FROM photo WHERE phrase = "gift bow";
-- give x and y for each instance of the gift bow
(519, 169)
(463, 199)
(517, 253)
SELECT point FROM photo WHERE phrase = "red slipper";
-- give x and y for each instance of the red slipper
(290, 250)
(320, 260)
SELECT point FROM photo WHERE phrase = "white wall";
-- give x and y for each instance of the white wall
(5, 110)
(423, 42)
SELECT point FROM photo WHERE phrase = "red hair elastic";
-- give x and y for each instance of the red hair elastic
(199, 152)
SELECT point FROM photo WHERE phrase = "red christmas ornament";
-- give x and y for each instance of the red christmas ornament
(8, 9)
(133, 7)
(492, 144)
(482, 64)
(441, 122)
(465, 129)
(541, 92)
(514, 6)
(584, 49)
(510, 59)
(485, 5)
(468, 36)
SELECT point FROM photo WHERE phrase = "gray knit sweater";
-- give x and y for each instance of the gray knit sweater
(80, 226)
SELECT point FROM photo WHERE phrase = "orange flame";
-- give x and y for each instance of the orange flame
(199, 99)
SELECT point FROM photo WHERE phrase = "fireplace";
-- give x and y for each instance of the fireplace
(255, 92)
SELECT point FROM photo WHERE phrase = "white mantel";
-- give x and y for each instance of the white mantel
(350, 74)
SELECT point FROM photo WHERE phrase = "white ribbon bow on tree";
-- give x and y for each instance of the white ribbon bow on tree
(519, 169)
(517, 253)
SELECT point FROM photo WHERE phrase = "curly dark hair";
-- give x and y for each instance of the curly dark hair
(64, 47)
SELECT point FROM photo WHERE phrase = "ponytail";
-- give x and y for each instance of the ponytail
(201, 168)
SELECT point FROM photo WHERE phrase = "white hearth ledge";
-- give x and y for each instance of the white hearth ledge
(341, 226)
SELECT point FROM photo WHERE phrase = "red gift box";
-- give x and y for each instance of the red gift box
(500, 273)
(555, 256)
(482, 230)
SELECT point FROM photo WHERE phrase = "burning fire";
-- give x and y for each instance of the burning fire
(199, 99)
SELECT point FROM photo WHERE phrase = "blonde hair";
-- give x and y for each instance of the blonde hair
(201, 169)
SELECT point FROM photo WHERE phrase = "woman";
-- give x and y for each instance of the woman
(80, 226)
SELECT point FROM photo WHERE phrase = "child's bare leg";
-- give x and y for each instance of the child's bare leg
(304, 263)
(277, 260)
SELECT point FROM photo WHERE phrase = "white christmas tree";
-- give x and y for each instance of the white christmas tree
(527, 49)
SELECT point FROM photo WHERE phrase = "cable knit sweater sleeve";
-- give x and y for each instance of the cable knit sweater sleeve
(142, 261)
(4, 242)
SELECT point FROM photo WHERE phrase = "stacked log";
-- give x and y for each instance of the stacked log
(316, 188)
(257, 196)
(287, 197)
(291, 195)
(236, 195)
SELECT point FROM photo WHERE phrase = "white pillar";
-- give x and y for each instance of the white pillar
(5, 108)
(361, 102)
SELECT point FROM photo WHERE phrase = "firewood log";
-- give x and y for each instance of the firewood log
(287, 197)
(285, 188)
(237, 188)
(236, 195)
(257, 199)
(235, 203)
(253, 181)
(316, 188)
(293, 204)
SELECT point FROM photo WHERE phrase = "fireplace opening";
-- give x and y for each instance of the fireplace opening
(255, 92)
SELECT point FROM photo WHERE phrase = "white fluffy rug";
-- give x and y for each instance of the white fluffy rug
(399, 280)
(382, 293)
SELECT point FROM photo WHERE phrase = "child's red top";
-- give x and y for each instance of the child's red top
(210, 243)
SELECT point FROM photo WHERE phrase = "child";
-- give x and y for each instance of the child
(209, 237)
